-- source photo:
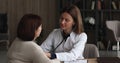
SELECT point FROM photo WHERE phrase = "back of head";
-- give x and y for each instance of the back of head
(27, 26)
(74, 11)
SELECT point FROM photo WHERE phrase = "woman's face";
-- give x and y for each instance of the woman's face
(66, 22)
(38, 31)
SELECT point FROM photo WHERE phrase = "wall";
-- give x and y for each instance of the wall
(17, 8)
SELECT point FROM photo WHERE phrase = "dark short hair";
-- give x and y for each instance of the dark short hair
(74, 11)
(27, 26)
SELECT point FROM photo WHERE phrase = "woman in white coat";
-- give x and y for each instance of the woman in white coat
(67, 43)
(24, 49)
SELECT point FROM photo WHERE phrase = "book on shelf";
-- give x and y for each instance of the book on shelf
(99, 4)
(93, 5)
(114, 5)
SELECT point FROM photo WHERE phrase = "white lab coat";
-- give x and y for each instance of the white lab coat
(70, 50)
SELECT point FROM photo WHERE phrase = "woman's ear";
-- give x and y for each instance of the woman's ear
(36, 33)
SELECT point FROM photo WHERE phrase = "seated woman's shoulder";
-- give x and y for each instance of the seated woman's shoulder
(57, 30)
(83, 35)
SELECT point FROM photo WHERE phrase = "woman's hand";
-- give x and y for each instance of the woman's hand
(48, 54)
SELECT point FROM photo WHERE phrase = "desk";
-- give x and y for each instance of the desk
(92, 60)
(104, 60)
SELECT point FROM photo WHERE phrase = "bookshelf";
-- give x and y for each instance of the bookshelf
(99, 10)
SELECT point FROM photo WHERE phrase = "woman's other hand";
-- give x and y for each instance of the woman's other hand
(48, 54)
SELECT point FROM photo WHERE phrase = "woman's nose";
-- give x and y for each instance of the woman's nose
(63, 21)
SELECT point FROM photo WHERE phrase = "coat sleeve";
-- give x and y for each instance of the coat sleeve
(76, 51)
(47, 44)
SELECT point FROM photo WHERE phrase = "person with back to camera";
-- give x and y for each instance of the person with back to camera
(68, 42)
(24, 49)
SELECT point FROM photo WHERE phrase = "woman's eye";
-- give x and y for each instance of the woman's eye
(66, 20)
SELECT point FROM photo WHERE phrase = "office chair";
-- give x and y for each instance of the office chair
(91, 51)
(115, 27)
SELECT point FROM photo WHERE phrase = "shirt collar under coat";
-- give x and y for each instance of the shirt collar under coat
(73, 36)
